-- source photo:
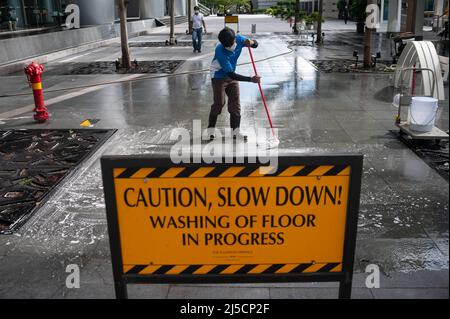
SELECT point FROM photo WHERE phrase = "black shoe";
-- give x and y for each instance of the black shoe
(195, 50)
(211, 132)
(199, 51)
(235, 123)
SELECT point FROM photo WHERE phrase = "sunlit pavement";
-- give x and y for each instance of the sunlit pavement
(403, 222)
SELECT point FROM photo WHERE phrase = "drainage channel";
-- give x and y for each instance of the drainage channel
(436, 155)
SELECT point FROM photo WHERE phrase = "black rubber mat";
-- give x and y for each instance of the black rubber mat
(34, 162)
(434, 154)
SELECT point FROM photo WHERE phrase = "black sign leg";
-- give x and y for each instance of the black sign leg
(345, 288)
(344, 277)
(121, 289)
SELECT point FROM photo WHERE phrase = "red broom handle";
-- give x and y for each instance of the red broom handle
(262, 94)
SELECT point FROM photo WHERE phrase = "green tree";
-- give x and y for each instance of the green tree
(358, 10)
(319, 22)
(297, 14)
(228, 4)
(189, 14)
(172, 22)
(368, 41)
(341, 6)
(240, 4)
(126, 60)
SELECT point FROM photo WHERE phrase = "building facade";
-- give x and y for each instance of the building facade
(47, 13)
(395, 15)
(329, 6)
(263, 4)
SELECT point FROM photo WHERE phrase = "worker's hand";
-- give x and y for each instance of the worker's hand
(206, 32)
(256, 79)
(248, 42)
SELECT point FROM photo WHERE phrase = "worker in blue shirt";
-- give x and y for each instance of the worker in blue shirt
(225, 81)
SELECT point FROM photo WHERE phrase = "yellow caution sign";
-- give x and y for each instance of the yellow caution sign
(228, 220)
(231, 19)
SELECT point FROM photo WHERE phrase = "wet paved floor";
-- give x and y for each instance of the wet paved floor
(403, 223)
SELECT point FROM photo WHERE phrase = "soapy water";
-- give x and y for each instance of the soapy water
(73, 222)
(397, 222)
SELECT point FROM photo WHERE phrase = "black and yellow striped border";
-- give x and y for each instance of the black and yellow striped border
(232, 269)
(234, 171)
(115, 168)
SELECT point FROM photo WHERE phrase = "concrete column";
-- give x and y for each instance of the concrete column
(415, 16)
(394, 15)
(133, 9)
(438, 7)
(193, 4)
(151, 8)
(96, 12)
(419, 10)
(180, 7)
(381, 12)
(438, 11)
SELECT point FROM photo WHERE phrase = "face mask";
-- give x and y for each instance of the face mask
(196, 12)
(232, 48)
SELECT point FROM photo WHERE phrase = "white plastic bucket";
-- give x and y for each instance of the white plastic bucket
(422, 113)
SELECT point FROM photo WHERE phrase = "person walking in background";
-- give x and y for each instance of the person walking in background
(198, 24)
(345, 14)
(8, 18)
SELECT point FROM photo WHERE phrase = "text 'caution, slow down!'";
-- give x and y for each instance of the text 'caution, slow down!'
(231, 219)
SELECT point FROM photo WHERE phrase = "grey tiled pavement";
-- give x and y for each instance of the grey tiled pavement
(403, 223)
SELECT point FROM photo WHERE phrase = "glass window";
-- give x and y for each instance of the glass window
(33, 13)
(429, 5)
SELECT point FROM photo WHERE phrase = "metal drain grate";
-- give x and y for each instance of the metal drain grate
(33, 162)
(347, 66)
(109, 67)
(159, 44)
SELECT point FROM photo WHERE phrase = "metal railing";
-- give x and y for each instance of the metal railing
(204, 9)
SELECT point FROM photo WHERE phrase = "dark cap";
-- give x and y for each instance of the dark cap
(226, 37)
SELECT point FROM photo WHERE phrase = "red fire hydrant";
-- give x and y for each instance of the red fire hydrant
(33, 72)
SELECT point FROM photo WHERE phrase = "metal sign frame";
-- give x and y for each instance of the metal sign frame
(355, 161)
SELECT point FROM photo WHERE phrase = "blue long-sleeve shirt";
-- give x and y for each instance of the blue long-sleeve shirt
(225, 61)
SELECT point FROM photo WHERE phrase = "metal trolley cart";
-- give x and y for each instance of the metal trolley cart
(405, 100)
